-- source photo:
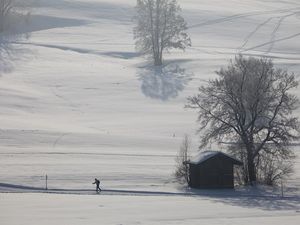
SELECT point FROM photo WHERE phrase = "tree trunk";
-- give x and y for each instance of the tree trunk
(1, 23)
(157, 60)
(251, 170)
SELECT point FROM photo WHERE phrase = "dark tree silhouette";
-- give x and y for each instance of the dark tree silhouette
(250, 102)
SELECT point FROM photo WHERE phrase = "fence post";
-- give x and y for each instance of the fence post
(46, 182)
(281, 188)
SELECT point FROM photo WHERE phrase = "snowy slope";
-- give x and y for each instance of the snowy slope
(77, 101)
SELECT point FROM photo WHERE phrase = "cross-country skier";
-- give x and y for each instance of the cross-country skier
(97, 182)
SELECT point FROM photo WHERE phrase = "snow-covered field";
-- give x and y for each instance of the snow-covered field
(78, 102)
(109, 210)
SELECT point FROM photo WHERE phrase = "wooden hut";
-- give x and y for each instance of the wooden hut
(212, 169)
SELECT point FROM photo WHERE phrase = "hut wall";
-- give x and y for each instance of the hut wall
(216, 172)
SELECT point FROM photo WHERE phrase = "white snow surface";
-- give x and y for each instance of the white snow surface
(110, 209)
(78, 102)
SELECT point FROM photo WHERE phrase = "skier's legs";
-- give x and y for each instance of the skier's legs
(98, 189)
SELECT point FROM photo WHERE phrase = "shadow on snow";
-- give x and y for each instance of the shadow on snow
(120, 12)
(252, 197)
(12, 50)
(11, 54)
(163, 82)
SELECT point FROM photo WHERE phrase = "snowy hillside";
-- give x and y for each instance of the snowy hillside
(78, 102)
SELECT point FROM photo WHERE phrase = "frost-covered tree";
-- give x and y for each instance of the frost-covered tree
(5, 8)
(160, 27)
(250, 101)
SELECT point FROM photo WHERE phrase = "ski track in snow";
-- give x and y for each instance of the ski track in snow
(13, 188)
(272, 43)
(240, 16)
(246, 40)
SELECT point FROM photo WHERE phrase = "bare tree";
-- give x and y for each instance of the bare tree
(160, 27)
(250, 101)
(5, 8)
(182, 169)
(271, 168)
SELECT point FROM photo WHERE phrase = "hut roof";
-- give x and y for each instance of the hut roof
(203, 156)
